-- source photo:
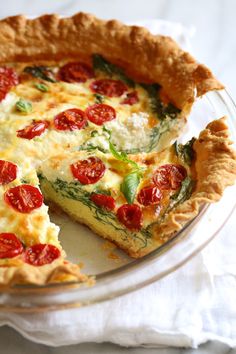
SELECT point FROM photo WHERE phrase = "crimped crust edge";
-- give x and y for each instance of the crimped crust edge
(144, 56)
(215, 168)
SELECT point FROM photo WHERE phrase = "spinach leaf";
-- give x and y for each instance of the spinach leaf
(24, 181)
(155, 136)
(183, 194)
(185, 152)
(171, 111)
(154, 100)
(129, 185)
(94, 133)
(103, 65)
(90, 147)
(157, 106)
(102, 191)
(24, 106)
(164, 127)
(40, 72)
(98, 98)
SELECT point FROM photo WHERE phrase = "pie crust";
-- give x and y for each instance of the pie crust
(132, 48)
(215, 167)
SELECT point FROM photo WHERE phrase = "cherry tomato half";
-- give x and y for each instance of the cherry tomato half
(108, 87)
(169, 176)
(75, 72)
(149, 195)
(131, 98)
(41, 254)
(10, 245)
(71, 119)
(24, 198)
(100, 113)
(8, 172)
(88, 171)
(131, 216)
(8, 79)
(104, 201)
(36, 128)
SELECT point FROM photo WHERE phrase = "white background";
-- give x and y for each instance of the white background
(214, 44)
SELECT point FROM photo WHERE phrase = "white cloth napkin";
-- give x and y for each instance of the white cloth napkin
(195, 304)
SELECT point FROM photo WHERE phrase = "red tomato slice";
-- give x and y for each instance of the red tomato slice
(36, 128)
(100, 113)
(88, 171)
(10, 246)
(169, 176)
(8, 172)
(75, 72)
(41, 254)
(8, 79)
(149, 195)
(108, 87)
(104, 201)
(24, 198)
(131, 98)
(71, 119)
(131, 216)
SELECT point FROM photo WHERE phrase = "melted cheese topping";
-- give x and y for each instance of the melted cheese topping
(54, 151)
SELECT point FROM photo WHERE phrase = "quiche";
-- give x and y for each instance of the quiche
(90, 111)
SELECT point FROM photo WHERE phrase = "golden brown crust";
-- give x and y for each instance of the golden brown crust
(58, 271)
(146, 57)
(215, 168)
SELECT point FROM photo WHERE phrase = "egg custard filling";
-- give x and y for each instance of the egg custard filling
(102, 146)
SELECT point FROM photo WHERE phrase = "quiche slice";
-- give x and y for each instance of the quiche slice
(89, 111)
(30, 251)
(140, 201)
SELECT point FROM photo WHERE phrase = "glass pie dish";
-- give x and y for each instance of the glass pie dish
(117, 274)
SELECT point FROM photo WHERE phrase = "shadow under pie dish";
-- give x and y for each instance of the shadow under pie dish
(93, 133)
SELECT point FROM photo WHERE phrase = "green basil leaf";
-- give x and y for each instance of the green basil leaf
(185, 152)
(122, 156)
(41, 72)
(129, 186)
(101, 64)
(41, 87)
(24, 106)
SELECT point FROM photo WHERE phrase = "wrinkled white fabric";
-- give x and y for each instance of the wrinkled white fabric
(195, 304)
